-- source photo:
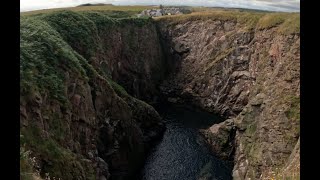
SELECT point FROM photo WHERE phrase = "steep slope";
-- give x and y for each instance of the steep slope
(75, 121)
(82, 72)
(244, 66)
(126, 50)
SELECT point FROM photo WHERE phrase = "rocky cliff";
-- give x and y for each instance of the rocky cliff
(82, 75)
(245, 67)
(76, 121)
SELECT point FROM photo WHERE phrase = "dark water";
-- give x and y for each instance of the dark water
(182, 153)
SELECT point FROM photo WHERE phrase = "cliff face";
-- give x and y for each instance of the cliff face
(82, 75)
(75, 120)
(126, 50)
(246, 68)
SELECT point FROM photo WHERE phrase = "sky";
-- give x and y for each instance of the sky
(272, 5)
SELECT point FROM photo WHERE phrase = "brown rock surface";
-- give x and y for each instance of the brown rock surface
(84, 123)
(89, 127)
(248, 75)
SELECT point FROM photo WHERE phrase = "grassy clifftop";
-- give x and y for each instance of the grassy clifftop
(244, 65)
(67, 61)
(56, 51)
(55, 39)
(287, 22)
(113, 11)
(44, 59)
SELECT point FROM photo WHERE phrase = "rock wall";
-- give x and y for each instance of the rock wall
(211, 65)
(125, 50)
(75, 120)
(244, 66)
(82, 72)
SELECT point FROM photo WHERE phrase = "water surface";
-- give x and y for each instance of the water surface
(182, 153)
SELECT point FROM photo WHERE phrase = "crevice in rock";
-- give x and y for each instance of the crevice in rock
(93, 95)
(223, 69)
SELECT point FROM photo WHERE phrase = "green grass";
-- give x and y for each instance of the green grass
(271, 20)
(55, 42)
(60, 162)
(245, 18)
(291, 25)
(76, 29)
(58, 127)
(288, 23)
(294, 174)
(52, 45)
(217, 58)
(43, 56)
(117, 88)
(251, 129)
(49, 46)
(293, 113)
(26, 167)
(250, 133)
(109, 9)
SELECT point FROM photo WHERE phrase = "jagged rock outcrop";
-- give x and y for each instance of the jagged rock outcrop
(221, 139)
(244, 66)
(211, 67)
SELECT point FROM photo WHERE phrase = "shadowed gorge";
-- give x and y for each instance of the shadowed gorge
(88, 82)
(183, 153)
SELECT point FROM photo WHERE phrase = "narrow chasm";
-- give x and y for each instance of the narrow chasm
(199, 96)
(183, 152)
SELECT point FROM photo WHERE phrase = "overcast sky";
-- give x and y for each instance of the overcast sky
(273, 5)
